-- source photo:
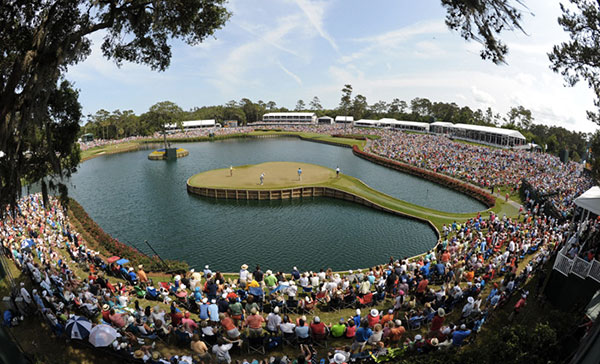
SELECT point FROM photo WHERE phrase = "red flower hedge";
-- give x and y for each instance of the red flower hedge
(115, 247)
(468, 189)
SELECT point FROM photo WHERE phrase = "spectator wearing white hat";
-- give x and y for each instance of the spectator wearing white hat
(468, 307)
(273, 321)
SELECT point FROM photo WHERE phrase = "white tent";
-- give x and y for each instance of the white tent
(590, 200)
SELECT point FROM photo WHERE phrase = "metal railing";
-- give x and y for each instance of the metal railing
(578, 266)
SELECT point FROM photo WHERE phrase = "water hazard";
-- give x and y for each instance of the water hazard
(135, 199)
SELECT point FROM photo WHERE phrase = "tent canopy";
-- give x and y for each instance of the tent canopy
(590, 200)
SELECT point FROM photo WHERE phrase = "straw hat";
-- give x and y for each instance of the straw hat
(434, 341)
(441, 312)
(244, 266)
(105, 307)
(138, 354)
(140, 266)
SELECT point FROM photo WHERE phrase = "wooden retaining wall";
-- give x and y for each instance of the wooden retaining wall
(298, 192)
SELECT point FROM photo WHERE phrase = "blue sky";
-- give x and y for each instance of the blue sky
(285, 50)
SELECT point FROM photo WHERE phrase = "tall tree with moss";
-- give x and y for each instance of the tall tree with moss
(42, 38)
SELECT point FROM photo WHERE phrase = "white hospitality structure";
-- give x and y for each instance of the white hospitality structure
(193, 124)
(325, 120)
(290, 118)
(589, 201)
(393, 124)
(344, 119)
(490, 135)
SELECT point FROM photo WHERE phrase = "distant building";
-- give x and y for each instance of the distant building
(344, 119)
(499, 137)
(393, 124)
(325, 120)
(290, 118)
(193, 124)
(89, 137)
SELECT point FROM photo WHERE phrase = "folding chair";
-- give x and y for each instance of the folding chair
(321, 297)
(415, 322)
(335, 304)
(291, 306)
(256, 344)
(319, 340)
(366, 300)
(290, 339)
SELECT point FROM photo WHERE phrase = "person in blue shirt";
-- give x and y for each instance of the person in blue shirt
(356, 318)
(132, 276)
(301, 330)
(362, 335)
(204, 309)
(197, 294)
(425, 269)
(213, 311)
(460, 335)
(296, 273)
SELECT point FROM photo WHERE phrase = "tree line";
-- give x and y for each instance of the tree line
(121, 124)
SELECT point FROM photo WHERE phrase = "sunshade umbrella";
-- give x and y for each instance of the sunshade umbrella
(122, 261)
(102, 335)
(113, 259)
(78, 327)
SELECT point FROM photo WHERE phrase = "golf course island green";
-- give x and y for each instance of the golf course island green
(281, 181)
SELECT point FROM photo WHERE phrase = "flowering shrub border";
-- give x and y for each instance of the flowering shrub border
(349, 136)
(468, 189)
(115, 247)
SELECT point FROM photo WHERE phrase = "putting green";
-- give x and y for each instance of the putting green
(276, 175)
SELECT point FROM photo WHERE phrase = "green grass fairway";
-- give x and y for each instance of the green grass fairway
(277, 175)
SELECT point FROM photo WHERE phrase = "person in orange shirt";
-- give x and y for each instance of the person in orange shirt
(446, 257)
(470, 275)
(396, 333)
(142, 275)
(387, 317)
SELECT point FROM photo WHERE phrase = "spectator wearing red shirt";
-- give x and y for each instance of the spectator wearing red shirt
(189, 324)
(317, 328)
(437, 322)
(373, 317)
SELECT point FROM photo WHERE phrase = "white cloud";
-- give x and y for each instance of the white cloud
(482, 97)
(291, 74)
(390, 40)
(315, 12)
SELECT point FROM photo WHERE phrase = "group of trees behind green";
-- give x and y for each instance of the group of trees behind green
(120, 124)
